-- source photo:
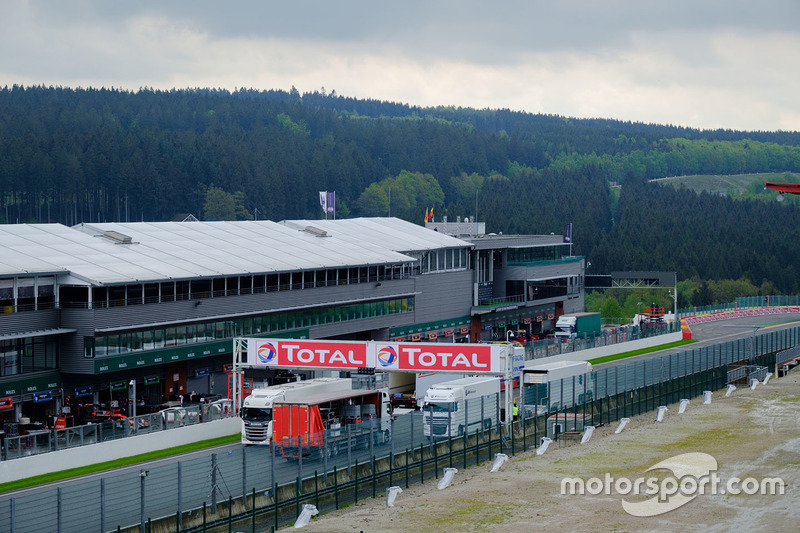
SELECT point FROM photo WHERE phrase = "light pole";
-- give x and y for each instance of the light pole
(133, 400)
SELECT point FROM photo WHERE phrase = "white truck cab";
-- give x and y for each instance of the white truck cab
(453, 407)
(256, 410)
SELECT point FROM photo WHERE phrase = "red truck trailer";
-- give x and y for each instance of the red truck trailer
(327, 423)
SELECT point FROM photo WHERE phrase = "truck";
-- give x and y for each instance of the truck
(445, 412)
(256, 413)
(573, 325)
(421, 382)
(327, 424)
(539, 380)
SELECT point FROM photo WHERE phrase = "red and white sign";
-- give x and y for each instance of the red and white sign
(301, 353)
(382, 356)
(465, 358)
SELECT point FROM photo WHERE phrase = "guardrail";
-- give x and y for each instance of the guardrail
(748, 372)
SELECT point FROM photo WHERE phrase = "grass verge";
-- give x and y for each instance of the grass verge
(117, 463)
(634, 353)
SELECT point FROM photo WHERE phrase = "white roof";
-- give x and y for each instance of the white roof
(396, 234)
(186, 250)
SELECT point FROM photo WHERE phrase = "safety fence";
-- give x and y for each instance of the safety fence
(264, 486)
(50, 440)
(743, 302)
(608, 337)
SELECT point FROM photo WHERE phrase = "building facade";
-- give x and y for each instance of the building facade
(92, 312)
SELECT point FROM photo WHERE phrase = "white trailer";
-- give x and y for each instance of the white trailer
(536, 377)
(256, 413)
(445, 412)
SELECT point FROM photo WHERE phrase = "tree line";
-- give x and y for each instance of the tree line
(85, 155)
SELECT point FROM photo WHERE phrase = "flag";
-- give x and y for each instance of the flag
(568, 233)
(327, 199)
(427, 215)
(430, 216)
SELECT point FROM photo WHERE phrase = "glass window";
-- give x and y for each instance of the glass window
(135, 294)
(158, 338)
(180, 335)
(124, 342)
(25, 288)
(148, 340)
(11, 360)
(151, 293)
(168, 291)
(88, 347)
(171, 337)
(191, 334)
(112, 344)
(259, 283)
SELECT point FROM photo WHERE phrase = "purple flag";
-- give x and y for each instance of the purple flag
(568, 233)
(327, 199)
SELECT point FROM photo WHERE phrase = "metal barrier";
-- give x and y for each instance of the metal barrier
(747, 372)
(46, 441)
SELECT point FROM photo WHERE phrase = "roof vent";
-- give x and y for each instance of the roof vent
(316, 231)
(117, 236)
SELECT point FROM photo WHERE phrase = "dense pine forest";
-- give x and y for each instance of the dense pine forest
(84, 155)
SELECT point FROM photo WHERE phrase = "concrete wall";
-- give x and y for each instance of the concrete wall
(46, 463)
(611, 349)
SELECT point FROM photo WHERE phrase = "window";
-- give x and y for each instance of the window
(246, 285)
(116, 296)
(148, 340)
(135, 295)
(201, 288)
(7, 295)
(151, 293)
(182, 290)
(46, 293)
(88, 346)
(168, 292)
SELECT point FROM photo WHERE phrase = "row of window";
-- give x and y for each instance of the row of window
(27, 294)
(154, 339)
(30, 354)
(170, 291)
(536, 254)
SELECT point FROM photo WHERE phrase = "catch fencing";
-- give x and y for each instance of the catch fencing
(255, 488)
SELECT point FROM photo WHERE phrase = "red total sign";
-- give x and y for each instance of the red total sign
(302, 353)
(382, 356)
(467, 358)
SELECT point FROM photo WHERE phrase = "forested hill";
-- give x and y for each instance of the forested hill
(82, 155)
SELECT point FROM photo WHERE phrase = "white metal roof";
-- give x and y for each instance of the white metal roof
(394, 233)
(182, 250)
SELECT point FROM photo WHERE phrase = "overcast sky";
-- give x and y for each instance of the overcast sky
(698, 63)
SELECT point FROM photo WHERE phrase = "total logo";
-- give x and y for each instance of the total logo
(387, 356)
(267, 353)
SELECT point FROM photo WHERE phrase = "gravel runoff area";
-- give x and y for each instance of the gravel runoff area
(751, 434)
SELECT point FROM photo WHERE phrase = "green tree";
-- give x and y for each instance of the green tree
(411, 193)
(221, 205)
